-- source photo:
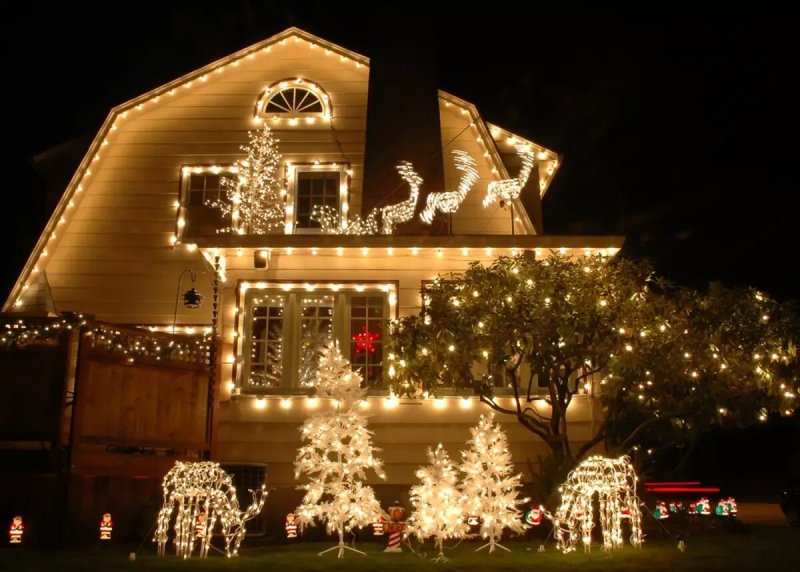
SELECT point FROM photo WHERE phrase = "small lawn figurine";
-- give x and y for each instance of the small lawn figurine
(396, 527)
(291, 526)
(15, 530)
(106, 527)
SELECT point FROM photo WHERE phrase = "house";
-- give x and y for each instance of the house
(136, 217)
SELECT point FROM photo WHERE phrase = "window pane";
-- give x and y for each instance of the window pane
(316, 329)
(367, 329)
(315, 188)
(266, 342)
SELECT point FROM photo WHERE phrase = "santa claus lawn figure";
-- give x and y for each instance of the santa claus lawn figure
(534, 516)
(15, 530)
(200, 525)
(106, 527)
(291, 526)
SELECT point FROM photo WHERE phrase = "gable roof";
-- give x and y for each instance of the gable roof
(490, 134)
(120, 112)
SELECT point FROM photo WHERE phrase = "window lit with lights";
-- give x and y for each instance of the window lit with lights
(298, 101)
(367, 332)
(201, 187)
(283, 327)
(316, 185)
(315, 189)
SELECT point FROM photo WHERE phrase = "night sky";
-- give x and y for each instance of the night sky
(679, 133)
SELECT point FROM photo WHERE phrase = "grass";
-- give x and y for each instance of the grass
(752, 548)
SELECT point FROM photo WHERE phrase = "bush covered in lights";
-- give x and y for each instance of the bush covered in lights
(664, 361)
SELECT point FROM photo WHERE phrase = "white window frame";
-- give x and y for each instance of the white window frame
(183, 194)
(292, 171)
(343, 293)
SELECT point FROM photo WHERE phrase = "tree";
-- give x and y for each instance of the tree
(438, 504)
(255, 198)
(337, 455)
(490, 486)
(542, 330)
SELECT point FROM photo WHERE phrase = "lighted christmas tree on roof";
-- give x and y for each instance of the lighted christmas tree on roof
(338, 455)
(490, 486)
(254, 199)
(438, 503)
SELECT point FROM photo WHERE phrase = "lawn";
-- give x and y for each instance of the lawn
(752, 548)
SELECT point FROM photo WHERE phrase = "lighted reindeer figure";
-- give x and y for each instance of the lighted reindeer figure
(401, 212)
(192, 489)
(379, 219)
(614, 481)
(449, 201)
(510, 189)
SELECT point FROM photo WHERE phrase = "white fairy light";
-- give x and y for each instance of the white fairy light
(510, 189)
(337, 455)
(614, 481)
(438, 504)
(380, 219)
(448, 202)
(490, 486)
(195, 489)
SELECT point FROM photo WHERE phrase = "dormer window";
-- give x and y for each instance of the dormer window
(297, 101)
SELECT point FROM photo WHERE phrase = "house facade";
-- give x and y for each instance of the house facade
(137, 214)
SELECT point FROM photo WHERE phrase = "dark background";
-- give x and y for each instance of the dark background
(678, 131)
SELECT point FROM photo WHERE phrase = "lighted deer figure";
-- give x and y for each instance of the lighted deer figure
(449, 201)
(401, 212)
(202, 494)
(379, 219)
(510, 189)
(614, 481)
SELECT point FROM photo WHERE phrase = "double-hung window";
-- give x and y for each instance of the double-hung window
(201, 189)
(314, 186)
(282, 328)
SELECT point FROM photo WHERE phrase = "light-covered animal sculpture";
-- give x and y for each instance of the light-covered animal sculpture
(403, 211)
(510, 189)
(448, 202)
(200, 495)
(614, 482)
(380, 219)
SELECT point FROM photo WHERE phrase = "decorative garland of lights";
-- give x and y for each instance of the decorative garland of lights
(614, 481)
(131, 344)
(21, 333)
(510, 189)
(448, 202)
(438, 504)
(380, 219)
(202, 494)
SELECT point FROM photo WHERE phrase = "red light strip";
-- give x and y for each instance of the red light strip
(683, 490)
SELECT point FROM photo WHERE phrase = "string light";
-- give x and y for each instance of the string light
(614, 481)
(510, 189)
(448, 202)
(195, 489)
(438, 504)
(337, 454)
(490, 486)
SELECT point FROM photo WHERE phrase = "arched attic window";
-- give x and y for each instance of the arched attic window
(295, 101)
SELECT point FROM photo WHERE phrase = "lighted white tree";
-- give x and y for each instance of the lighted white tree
(490, 486)
(438, 504)
(254, 199)
(338, 455)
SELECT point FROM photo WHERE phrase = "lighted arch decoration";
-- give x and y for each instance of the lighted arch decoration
(295, 100)
(614, 482)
